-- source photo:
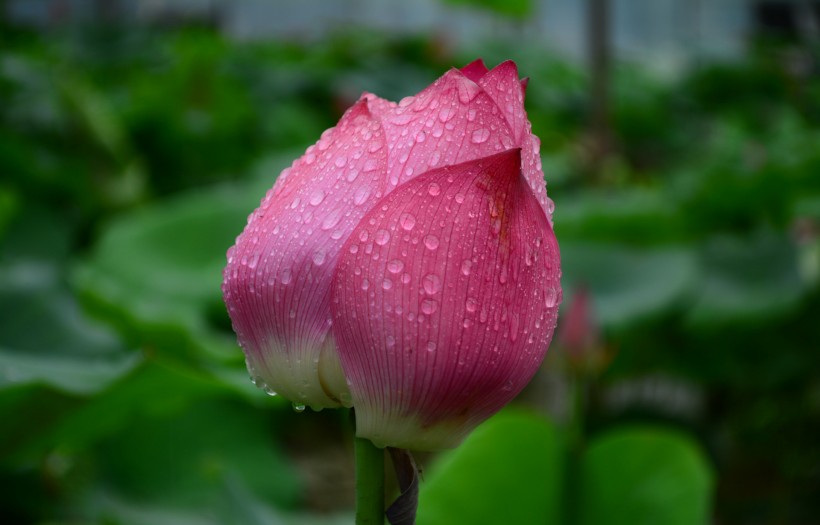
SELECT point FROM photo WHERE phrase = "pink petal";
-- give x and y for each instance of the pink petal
(504, 87)
(507, 91)
(451, 121)
(277, 282)
(475, 70)
(444, 302)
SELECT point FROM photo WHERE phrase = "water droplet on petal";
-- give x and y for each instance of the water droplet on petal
(340, 162)
(317, 197)
(365, 284)
(429, 306)
(332, 219)
(446, 114)
(395, 266)
(431, 346)
(387, 284)
(431, 242)
(287, 276)
(480, 135)
(433, 189)
(551, 297)
(407, 221)
(466, 266)
(472, 304)
(361, 195)
(382, 237)
(431, 283)
(298, 407)
(319, 257)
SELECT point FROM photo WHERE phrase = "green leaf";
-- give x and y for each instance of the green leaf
(627, 284)
(45, 337)
(511, 8)
(645, 476)
(747, 279)
(158, 271)
(183, 457)
(630, 216)
(508, 471)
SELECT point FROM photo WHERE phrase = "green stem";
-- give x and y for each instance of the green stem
(369, 483)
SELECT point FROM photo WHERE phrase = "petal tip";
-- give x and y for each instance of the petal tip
(475, 69)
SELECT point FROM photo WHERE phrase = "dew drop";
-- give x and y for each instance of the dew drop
(390, 340)
(431, 283)
(407, 221)
(340, 162)
(365, 284)
(480, 135)
(466, 266)
(472, 304)
(431, 346)
(319, 257)
(551, 297)
(287, 276)
(298, 407)
(317, 197)
(395, 266)
(354, 248)
(361, 195)
(431, 242)
(459, 198)
(332, 220)
(387, 284)
(446, 114)
(429, 306)
(433, 189)
(382, 237)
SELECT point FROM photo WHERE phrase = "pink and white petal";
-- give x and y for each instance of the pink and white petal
(277, 281)
(444, 302)
(475, 70)
(451, 121)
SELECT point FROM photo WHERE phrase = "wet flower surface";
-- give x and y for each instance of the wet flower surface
(406, 264)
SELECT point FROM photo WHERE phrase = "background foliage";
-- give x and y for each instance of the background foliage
(130, 160)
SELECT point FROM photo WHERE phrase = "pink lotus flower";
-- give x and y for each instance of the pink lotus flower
(406, 264)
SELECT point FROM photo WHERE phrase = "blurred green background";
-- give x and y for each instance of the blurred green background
(136, 137)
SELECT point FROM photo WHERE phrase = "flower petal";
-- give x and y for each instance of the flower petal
(504, 87)
(475, 70)
(507, 91)
(451, 121)
(444, 302)
(277, 282)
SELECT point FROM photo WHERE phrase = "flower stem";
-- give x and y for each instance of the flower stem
(369, 483)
